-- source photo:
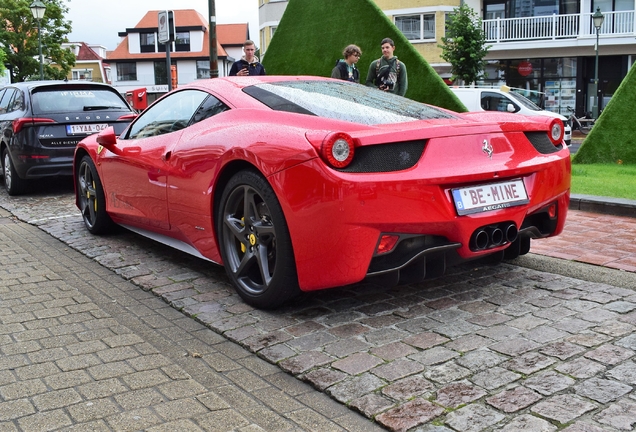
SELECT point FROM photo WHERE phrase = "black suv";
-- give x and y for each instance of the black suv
(41, 122)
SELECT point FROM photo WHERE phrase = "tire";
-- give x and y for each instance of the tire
(13, 184)
(585, 129)
(254, 242)
(90, 198)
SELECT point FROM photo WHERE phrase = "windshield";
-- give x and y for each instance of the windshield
(70, 100)
(341, 100)
(524, 101)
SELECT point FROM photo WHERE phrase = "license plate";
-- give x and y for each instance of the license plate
(85, 129)
(488, 197)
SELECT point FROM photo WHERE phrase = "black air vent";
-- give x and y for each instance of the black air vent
(542, 143)
(386, 157)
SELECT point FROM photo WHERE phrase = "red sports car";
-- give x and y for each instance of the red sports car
(305, 183)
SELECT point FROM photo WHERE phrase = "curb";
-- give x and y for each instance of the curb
(604, 205)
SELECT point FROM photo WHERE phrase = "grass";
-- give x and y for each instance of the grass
(609, 180)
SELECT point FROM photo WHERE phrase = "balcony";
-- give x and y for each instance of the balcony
(558, 27)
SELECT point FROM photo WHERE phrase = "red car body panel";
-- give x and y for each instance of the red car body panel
(167, 184)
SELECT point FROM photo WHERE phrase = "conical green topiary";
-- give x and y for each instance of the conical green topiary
(312, 34)
(613, 137)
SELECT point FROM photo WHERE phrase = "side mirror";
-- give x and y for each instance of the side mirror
(108, 139)
(510, 108)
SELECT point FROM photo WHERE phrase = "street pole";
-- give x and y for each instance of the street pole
(598, 22)
(37, 9)
(40, 51)
(214, 61)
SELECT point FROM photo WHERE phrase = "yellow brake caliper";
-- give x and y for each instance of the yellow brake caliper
(95, 205)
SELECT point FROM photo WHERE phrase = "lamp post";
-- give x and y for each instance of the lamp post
(598, 19)
(37, 9)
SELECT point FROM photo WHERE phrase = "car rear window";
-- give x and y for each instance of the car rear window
(342, 100)
(71, 100)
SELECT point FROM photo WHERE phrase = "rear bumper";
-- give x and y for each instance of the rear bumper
(336, 225)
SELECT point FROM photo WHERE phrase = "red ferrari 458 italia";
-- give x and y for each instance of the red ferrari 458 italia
(304, 183)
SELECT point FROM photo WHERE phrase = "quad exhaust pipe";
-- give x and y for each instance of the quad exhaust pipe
(491, 236)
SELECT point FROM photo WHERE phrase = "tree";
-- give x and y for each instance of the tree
(465, 44)
(3, 60)
(19, 40)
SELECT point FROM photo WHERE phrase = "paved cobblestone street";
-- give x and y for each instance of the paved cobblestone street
(484, 348)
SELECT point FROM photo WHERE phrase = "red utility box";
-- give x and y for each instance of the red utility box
(138, 99)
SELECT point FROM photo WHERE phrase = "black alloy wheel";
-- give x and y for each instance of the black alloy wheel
(90, 197)
(255, 243)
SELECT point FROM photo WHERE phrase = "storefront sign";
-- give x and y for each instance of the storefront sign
(525, 68)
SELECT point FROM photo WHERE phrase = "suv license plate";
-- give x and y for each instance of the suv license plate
(85, 129)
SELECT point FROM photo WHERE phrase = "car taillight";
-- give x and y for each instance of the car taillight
(130, 117)
(387, 243)
(337, 149)
(23, 122)
(556, 131)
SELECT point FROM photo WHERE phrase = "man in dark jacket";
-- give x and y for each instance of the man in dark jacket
(388, 73)
(345, 69)
(248, 64)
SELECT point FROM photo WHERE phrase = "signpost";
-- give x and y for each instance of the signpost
(166, 33)
(214, 62)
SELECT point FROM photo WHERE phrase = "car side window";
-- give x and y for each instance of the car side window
(496, 102)
(17, 103)
(7, 95)
(210, 107)
(169, 114)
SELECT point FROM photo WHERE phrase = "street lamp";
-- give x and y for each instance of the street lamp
(37, 9)
(598, 19)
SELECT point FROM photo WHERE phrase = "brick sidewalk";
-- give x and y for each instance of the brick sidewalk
(83, 349)
(592, 238)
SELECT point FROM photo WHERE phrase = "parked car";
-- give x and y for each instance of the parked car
(42, 122)
(505, 99)
(304, 183)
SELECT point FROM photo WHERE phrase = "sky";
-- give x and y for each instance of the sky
(99, 22)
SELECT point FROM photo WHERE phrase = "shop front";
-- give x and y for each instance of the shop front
(558, 83)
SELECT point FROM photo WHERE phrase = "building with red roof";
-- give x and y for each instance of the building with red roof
(90, 63)
(140, 60)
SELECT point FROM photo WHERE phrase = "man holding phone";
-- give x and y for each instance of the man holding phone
(248, 64)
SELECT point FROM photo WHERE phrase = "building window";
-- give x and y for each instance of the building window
(203, 69)
(82, 74)
(147, 42)
(182, 41)
(126, 71)
(161, 73)
(417, 27)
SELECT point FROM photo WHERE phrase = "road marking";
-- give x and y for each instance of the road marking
(33, 221)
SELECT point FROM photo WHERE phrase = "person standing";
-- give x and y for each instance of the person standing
(248, 64)
(345, 68)
(388, 73)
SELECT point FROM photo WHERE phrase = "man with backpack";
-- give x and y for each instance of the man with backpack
(388, 73)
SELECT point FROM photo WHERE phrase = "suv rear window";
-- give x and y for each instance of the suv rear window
(70, 100)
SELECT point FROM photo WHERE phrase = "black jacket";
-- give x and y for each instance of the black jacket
(254, 68)
(340, 71)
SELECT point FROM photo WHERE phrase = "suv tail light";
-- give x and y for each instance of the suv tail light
(20, 123)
